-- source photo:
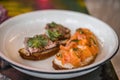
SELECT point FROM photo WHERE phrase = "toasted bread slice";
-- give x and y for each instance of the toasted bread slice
(38, 56)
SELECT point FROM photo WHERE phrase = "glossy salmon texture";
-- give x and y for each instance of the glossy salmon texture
(80, 50)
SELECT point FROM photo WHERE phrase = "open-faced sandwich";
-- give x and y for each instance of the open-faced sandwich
(45, 45)
(57, 33)
(80, 50)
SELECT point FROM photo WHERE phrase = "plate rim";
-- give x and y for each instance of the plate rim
(59, 72)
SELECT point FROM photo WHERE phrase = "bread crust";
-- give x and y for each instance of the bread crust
(58, 67)
(38, 56)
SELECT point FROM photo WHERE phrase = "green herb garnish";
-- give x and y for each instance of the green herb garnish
(75, 40)
(92, 40)
(81, 31)
(59, 55)
(75, 49)
(53, 35)
(37, 41)
(52, 24)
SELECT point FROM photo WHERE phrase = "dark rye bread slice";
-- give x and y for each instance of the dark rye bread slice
(38, 56)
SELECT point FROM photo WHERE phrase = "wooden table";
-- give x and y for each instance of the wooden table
(109, 12)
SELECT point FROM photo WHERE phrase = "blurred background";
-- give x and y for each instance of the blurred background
(16, 7)
(109, 12)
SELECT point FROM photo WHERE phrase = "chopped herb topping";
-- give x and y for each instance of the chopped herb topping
(52, 24)
(59, 55)
(53, 35)
(92, 40)
(75, 49)
(37, 41)
(75, 40)
(81, 31)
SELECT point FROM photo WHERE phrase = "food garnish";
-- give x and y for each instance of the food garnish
(37, 41)
(53, 35)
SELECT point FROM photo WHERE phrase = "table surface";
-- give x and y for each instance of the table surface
(109, 12)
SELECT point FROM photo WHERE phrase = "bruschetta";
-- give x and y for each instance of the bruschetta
(45, 45)
(80, 50)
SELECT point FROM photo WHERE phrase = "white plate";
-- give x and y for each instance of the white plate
(14, 30)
